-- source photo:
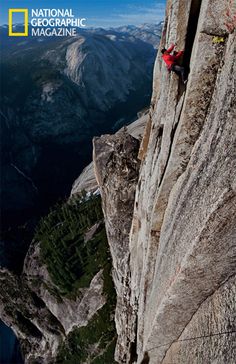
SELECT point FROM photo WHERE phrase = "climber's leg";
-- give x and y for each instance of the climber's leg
(180, 71)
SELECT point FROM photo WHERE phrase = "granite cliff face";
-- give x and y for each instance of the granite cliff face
(87, 180)
(170, 214)
(116, 170)
(174, 271)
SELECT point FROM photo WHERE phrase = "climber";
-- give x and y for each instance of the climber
(171, 61)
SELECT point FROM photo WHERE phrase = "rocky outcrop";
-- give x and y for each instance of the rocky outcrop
(181, 270)
(116, 169)
(69, 312)
(40, 317)
(38, 330)
(40, 313)
(87, 180)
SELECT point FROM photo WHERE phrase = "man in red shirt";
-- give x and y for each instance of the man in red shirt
(171, 61)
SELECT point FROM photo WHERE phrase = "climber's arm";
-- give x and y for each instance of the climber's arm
(170, 49)
(179, 54)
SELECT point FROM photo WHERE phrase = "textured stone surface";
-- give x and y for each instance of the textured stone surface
(116, 170)
(183, 232)
(211, 334)
(183, 236)
(40, 317)
(38, 330)
(87, 181)
(70, 313)
(173, 243)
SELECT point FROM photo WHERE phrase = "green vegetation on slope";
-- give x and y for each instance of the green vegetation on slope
(94, 343)
(72, 262)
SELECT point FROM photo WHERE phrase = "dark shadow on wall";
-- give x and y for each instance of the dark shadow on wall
(191, 31)
(190, 37)
(146, 359)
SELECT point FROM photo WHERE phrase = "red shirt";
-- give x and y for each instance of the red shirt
(170, 59)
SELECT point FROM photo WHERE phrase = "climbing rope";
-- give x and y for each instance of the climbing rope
(193, 338)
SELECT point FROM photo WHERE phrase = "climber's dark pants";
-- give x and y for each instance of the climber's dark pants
(180, 71)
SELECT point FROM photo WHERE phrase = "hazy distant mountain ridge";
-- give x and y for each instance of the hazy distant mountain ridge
(149, 33)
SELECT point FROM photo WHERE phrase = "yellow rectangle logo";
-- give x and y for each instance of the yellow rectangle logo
(26, 20)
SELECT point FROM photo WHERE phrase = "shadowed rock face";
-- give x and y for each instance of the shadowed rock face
(28, 316)
(180, 274)
(41, 316)
(41, 319)
(116, 170)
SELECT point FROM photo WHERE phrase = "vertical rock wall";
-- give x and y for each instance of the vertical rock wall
(116, 170)
(182, 240)
(179, 269)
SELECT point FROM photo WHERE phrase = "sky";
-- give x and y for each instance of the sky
(99, 13)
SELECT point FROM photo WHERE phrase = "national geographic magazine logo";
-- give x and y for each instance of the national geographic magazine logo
(45, 22)
(25, 14)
